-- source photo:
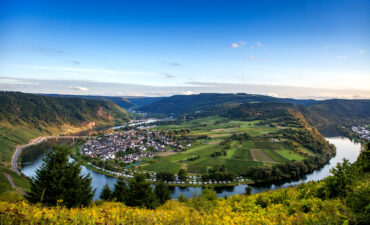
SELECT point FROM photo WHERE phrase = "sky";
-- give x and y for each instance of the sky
(297, 48)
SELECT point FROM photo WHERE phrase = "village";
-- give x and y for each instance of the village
(131, 145)
(362, 131)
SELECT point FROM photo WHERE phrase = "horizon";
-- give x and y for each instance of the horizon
(286, 49)
(167, 96)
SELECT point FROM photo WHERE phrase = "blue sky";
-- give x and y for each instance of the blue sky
(186, 47)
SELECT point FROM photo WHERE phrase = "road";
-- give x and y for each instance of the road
(19, 148)
(10, 179)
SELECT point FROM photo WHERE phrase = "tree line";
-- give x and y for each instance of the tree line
(59, 181)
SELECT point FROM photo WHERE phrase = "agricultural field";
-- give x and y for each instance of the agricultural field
(238, 157)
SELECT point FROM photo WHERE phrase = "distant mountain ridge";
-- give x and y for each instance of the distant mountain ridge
(319, 113)
(179, 104)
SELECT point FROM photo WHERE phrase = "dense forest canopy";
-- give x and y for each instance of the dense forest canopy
(37, 110)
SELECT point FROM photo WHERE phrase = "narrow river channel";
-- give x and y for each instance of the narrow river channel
(345, 149)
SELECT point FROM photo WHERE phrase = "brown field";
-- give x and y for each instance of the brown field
(260, 155)
(166, 153)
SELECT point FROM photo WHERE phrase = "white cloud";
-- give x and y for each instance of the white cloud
(171, 63)
(88, 70)
(13, 81)
(259, 44)
(125, 89)
(49, 51)
(238, 45)
(362, 52)
(188, 93)
(77, 88)
(342, 57)
(167, 75)
(252, 57)
(272, 94)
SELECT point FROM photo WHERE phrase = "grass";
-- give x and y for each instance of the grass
(243, 153)
(18, 180)
(275, 156)
(163, 165)
(240, 166)
(10, 137)
(290, 155)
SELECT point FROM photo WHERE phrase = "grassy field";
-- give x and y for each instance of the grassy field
(290, 155)
(239, 157)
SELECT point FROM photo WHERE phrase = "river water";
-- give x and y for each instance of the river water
(345, 149)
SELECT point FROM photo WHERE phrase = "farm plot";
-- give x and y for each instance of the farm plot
(240, 166)
(242, 153)
(260, 155)
(290, 155)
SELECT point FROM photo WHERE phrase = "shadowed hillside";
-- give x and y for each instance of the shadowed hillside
(180, 104)
(337, 112)
(320, 114)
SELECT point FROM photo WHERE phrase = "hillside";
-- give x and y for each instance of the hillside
(27, 116)
(180, 104)
(41, 111)
(123, 102)
(337, 112)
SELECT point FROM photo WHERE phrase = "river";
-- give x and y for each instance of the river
(345, 149)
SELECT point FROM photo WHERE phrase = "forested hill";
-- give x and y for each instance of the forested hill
(337, 112)
(42, 111)
(179, 104)
(124, 102)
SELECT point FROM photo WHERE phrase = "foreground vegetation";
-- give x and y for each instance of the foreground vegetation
(343, 198)
(24, 117)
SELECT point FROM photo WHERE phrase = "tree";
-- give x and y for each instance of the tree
(162, 192)
(248, 190)
(140, 193)
(336, 185)
(60, 179)
(182, 174)
(120, 191)
(165, 176)
(106, 193)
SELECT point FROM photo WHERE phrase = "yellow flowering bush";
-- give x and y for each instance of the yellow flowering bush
(281, 207)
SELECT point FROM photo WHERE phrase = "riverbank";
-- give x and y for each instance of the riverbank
(345, 149)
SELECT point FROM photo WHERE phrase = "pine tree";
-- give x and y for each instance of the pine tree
(120, 191)
(59, 179)
(162, 192)
(140, 193)
(106, 194)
